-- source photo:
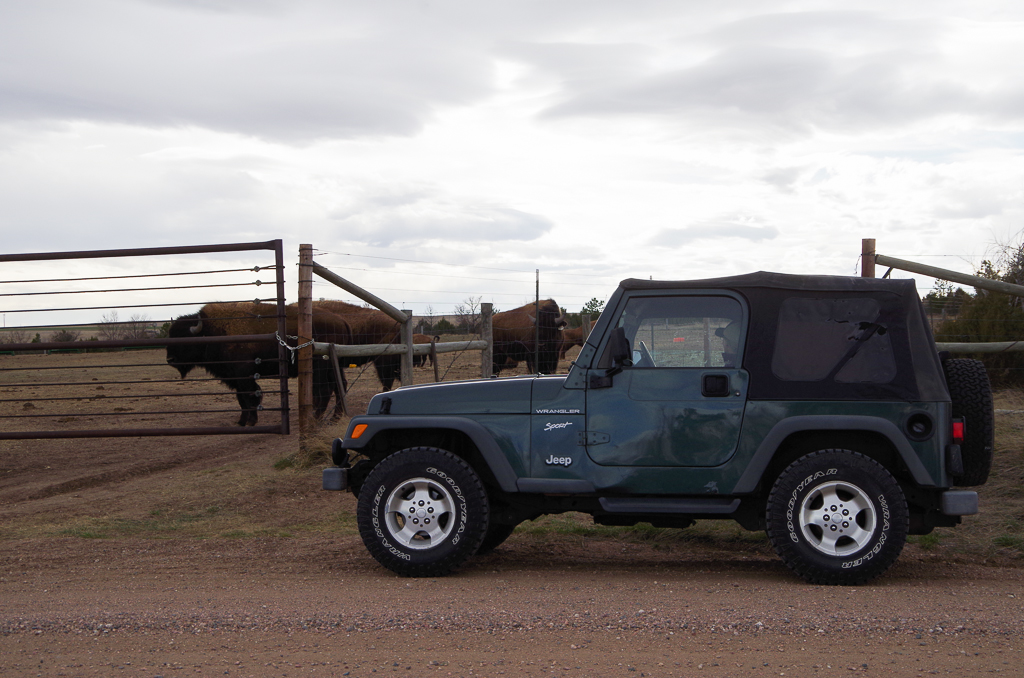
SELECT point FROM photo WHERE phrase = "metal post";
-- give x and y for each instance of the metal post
(283, 354)
(305, 334)
(407, 378)
(487, 334)
(867, 258)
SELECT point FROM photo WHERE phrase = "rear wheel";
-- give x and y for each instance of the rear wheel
(837, 517)
(422, 512)
(971, 394)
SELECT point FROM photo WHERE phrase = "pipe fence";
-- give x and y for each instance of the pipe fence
(71, 366)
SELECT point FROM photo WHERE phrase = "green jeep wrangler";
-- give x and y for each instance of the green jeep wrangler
(815, 408)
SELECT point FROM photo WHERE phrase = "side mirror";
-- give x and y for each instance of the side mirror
(622, 352)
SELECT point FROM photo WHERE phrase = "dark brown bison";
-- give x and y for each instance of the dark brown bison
(236, 364)
(570, 337)
(370, 326)
(515, 336)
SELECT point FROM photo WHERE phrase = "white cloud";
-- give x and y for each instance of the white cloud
(421, 216)
(725, 227)
(267, 70)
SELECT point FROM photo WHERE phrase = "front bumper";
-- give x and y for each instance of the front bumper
(335, 479)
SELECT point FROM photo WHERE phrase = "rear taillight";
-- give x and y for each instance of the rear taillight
(958, 431)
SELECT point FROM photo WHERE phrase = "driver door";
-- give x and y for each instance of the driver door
(681, 401)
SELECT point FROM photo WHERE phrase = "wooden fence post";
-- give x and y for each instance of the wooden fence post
(585, 323)
(407, 378)
(867, 258)
(433, 358)
(305, 333)
(487, 334)
(536, 329)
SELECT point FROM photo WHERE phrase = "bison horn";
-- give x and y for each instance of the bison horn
(197, 328)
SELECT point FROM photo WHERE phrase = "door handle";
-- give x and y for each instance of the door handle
(714, 385)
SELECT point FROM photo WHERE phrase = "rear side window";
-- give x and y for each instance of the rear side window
(832, 340)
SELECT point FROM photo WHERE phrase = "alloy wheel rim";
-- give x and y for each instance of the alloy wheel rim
(838, 518)
(419, 513)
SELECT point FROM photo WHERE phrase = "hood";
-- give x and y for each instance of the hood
(481, 396)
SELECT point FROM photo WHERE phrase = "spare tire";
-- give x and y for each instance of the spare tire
(971, 393)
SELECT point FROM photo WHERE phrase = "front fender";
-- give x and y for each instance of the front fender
(481, 437)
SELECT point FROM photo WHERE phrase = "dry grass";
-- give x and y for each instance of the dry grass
(999, 527)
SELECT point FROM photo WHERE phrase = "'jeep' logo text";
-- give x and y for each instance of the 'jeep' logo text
(558, 461)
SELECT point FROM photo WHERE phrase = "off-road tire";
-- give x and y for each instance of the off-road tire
(436, 490)
(808, 528)
(971, 393)
(496, 535)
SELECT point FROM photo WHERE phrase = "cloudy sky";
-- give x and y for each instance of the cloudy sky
(437, 150)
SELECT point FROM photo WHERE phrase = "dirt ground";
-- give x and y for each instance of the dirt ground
(216, 556)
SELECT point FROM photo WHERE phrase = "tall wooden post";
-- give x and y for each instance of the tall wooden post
(487, 334)
(536, 329)
(305, 332)
(867, 258)
(407, 362)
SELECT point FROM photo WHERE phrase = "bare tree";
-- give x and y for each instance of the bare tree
(468, 314)
(428, 318)
(110, 328)
(15, 336)
(137, 326)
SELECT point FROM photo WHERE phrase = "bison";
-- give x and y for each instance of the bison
(236, 364)
(570, 337)
(370, 326)
(515, 335)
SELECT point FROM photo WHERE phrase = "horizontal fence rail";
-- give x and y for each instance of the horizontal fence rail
(982, 347)
(870, 258)
(68, 372)
(363, 350)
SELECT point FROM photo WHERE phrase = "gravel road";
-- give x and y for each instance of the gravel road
(314, 606)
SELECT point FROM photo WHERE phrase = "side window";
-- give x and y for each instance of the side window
(832, 339)
(683, 331)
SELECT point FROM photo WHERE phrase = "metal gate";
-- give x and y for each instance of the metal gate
(65, 374)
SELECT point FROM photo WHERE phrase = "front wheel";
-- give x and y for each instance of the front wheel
(422, 512)
(837, 517)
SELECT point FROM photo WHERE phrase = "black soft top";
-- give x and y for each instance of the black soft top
(782, 281)
(794, 317)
